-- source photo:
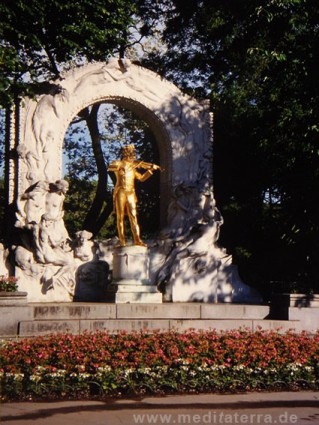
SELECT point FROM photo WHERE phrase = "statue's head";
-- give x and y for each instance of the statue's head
(128, 152)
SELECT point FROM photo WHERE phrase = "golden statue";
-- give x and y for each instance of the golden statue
(124, 196)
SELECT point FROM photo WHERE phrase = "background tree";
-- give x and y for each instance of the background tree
(38, 39)
(257, 61)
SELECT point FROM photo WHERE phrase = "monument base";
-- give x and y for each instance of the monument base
(131, 283)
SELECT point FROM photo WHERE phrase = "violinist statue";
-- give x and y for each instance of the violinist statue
(124, 197)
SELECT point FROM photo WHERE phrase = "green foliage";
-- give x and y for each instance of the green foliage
(38, 37)
(257, 63)
(77, 202)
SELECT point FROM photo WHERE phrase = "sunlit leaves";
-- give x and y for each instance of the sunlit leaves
(38, 37)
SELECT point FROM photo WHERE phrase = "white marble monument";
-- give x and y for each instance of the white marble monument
(185, 262)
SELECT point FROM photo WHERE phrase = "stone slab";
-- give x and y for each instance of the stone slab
(74, 311)
(308, 317)
(13, 298)
(42, 319)
(34, 328)
(141, 283)
(11, 315)
(46, 327)
(151, 289)
(123, 325)
(159, 311)
(234, 311)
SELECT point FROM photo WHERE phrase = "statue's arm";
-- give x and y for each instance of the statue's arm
(144, 176)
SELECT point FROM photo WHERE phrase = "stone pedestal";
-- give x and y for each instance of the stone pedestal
(131, 283)
(13, 298)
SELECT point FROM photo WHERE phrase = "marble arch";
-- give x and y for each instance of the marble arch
(180, 124)
(186, 264)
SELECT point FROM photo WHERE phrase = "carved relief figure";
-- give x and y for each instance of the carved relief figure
(45, 124)
(54, 206)
(32, 163)
(179, 211)
(51, 246)
(115, 70)
(31, 205)
(50, 235)
(25, 260)
(125, 199)
(92, 274)
(44, 237)
(84, 245)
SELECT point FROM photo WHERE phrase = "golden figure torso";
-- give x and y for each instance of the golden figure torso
(125, 175)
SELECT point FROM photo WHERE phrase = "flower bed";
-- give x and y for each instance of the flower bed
(102, 364)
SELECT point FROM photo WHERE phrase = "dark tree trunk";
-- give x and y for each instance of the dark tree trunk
(98, 212)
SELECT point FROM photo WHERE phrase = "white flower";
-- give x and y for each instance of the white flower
(84, 375)
(80, 367)
(16, 376)
(104, 369)
(239, 367)
(40, 369)
(35, 378)
(309, 368)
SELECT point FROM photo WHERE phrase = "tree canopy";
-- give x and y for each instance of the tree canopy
(257, 61)
(40, 38)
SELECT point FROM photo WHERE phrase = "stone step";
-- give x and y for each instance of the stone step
(84, 311)
(30, 328)
(42, 319)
